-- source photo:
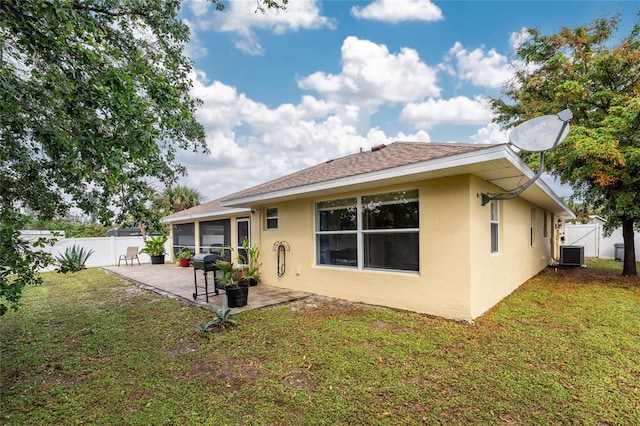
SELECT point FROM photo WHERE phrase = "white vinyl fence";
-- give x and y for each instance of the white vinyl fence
(106, 250)
(595, 243)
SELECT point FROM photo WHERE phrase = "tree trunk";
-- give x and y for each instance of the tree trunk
(629, 268)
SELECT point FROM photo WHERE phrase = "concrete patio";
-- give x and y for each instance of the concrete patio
(176, 282)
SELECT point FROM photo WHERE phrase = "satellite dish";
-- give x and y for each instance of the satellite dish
(541, 133)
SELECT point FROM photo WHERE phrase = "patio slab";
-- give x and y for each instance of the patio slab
(176, 282)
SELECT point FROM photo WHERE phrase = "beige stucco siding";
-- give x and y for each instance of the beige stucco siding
(440, 288)
(496, 275)
(459, 277)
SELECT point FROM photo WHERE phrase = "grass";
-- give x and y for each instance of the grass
(90, 348)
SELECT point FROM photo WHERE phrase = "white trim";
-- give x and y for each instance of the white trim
(497, 152)
(222, 213)
(488, 154)
(522, 166)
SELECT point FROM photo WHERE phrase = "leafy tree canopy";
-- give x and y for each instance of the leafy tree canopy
(71, 228)
(175, 199)
(584, 69)
(95, 104)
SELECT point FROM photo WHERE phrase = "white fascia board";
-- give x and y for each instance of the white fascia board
(497, 152)
(492, 153)
(220, 213)
(515, 159)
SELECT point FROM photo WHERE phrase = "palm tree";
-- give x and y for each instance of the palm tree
(178, 198)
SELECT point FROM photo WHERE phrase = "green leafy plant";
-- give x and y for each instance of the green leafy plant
(221, 318)
(73, 260)
(154, 246)
(251, 272)
(185, 253)
(231, 276)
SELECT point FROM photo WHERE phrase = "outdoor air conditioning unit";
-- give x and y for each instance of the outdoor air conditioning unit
(572, 255)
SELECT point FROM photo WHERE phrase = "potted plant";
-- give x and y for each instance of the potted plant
(183, 257)
(252, 271)
(154, 247)
(233, 283)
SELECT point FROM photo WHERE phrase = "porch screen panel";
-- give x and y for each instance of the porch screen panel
(184, 236)
(336, 232)
(214, 236)
(390, 227)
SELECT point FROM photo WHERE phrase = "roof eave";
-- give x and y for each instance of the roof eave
(376, 176)
(372, 179)
(563, 211)
(219, 213)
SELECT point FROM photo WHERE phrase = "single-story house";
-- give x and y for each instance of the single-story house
(401, 226)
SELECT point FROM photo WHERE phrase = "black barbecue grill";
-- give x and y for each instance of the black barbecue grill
(205, 262)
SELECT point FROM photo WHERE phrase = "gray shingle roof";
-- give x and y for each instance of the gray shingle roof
(201, 209)
(393, 155)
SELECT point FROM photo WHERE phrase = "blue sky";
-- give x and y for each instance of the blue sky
(283, 91)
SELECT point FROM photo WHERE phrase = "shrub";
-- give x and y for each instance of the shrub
(73, 260)
(221, 318)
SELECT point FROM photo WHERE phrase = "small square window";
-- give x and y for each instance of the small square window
(272, 218)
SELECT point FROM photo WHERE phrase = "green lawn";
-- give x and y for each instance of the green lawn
(90, 348)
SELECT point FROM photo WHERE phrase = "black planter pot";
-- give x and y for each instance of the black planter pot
(251, 281)
(157, 260)
(237, 296)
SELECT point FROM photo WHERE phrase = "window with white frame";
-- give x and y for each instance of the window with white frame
(271, 221)
(337, 232)
(532, 226)
(243, 234)
(379, 231)
(495, 226)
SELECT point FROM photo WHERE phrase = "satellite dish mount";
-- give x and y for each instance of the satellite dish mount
(539, 134)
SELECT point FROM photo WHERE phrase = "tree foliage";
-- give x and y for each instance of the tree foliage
(95, 104)
(584, 69)
(71, 228)
(177, 198)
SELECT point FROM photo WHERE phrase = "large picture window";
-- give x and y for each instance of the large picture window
(337, 232)
(390, 225)
(378, 231)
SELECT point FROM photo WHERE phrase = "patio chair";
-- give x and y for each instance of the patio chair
(132, 253)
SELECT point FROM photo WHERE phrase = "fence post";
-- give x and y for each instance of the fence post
(113, 249)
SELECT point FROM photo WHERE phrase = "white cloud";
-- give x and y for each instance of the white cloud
(242, 17)
(516, 39)
(371, 76)
(398, 11)
(491, 133)
(199, 8)
(479, 67)
(251, 143)
(194, 48)
(457, 111)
